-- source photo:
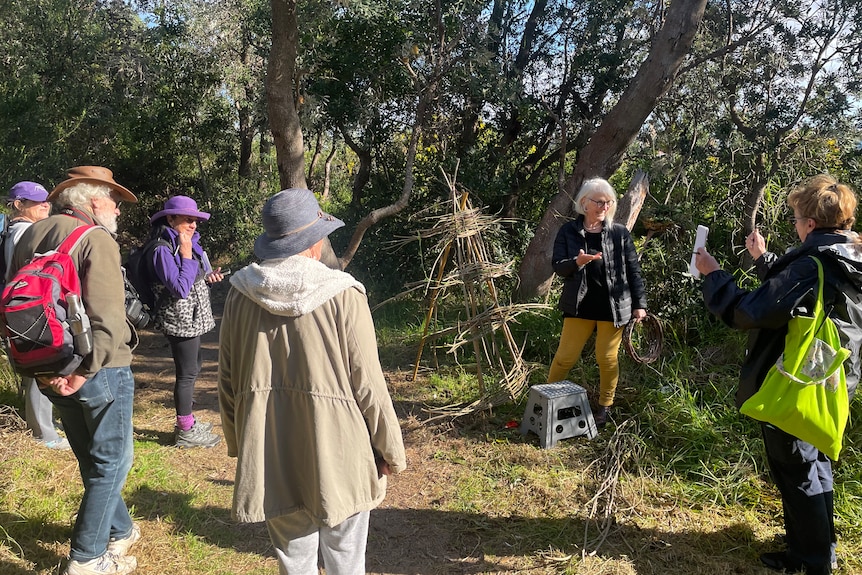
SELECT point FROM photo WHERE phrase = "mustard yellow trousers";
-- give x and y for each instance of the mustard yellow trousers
(574, 336)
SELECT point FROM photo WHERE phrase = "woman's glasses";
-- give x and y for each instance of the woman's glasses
(793, 219)
(602, 203)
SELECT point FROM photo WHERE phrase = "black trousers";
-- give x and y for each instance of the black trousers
(803, 476)
(187, 364)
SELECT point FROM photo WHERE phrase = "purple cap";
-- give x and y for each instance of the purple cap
(28, 191)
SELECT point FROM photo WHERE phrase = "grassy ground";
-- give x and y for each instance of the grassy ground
(675, 486)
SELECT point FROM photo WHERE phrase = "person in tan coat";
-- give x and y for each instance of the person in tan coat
(304, 403)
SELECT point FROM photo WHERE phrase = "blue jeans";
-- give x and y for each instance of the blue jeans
(97, 420)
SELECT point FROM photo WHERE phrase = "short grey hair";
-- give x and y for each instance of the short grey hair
(81, 195)
(597, 187)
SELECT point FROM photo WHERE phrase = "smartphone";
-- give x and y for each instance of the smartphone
(225, 272)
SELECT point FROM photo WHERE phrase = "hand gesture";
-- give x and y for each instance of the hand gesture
(585, 258)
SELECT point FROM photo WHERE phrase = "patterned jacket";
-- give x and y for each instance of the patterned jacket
(182, 296)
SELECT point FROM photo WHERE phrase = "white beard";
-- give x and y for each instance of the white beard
(109, 220)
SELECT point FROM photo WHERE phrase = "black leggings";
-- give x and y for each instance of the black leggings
(187, 363)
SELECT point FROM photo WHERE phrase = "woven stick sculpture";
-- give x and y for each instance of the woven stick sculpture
(485, 326)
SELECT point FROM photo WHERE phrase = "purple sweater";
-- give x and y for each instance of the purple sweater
(176, 273)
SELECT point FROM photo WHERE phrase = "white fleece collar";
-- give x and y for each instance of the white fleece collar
(292, 286)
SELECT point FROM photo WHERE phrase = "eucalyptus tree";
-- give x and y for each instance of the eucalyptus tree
(235, 34)
(622, 119)
(767, 99)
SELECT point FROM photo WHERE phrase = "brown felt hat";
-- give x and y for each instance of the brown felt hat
(92, 175)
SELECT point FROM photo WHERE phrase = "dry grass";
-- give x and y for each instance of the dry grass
(476, 498)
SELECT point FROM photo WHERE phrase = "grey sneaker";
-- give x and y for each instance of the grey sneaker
(120, 547)
(107, 563)
(205, 425)
(60, 444)
(197, 436)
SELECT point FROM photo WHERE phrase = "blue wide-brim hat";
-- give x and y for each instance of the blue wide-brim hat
(292, 223)
(181, 206)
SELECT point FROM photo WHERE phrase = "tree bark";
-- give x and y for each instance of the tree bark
(281, 100)
(327, 168)
(363, 175)
(315, 157)
(603, 154)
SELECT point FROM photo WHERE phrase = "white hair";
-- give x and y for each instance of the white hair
(81, 195)
(593, 188)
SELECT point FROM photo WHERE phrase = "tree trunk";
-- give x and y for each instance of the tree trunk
(246, 138)
(406, 191)
(315, 157)
(603, 154)
(630, 204)
(280, 97)
(327, 168)
(363, 174)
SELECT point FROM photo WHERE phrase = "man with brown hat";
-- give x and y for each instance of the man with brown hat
(304, 403)
(95, 401)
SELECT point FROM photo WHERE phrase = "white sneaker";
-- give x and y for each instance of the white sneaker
(120, 547)
(107, 563)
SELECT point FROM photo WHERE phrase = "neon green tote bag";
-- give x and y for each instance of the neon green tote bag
(805, 392)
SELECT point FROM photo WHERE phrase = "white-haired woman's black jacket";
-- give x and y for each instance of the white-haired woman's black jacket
(624, 281)
(789, 286)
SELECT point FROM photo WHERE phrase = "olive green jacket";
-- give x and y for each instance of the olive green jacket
(97, 260)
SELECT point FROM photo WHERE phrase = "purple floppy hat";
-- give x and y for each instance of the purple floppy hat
(180, 206)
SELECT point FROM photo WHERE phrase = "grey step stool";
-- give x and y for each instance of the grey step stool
(558, 411)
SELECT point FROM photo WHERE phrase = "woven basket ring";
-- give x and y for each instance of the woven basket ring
(652, 333)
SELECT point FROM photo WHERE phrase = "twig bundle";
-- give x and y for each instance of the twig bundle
(644, 346)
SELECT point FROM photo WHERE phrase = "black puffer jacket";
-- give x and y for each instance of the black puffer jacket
(624, 281)
(790, 286)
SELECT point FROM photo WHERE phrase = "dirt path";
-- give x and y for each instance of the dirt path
(407, 535)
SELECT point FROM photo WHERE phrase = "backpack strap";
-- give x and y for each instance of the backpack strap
(72, 240)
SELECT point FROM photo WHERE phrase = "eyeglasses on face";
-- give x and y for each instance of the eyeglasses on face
(793, 219)
(602, 203)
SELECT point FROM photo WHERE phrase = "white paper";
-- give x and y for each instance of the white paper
(699, 242)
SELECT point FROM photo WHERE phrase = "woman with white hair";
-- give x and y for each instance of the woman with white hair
(602, 288)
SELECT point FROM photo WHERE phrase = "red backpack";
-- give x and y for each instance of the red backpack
(44, 327)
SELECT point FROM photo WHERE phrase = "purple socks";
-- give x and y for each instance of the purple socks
(185, 422)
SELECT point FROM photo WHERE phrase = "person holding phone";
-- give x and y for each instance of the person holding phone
(823, 214)
(183, 311)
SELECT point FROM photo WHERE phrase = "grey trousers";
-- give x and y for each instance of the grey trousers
(298, 540)
(38, 412)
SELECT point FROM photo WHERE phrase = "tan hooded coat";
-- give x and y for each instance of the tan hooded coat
(304, 403)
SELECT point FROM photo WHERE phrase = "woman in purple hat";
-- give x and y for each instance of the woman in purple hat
(28, 203)
(182, 311)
